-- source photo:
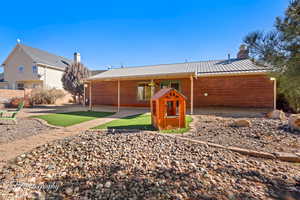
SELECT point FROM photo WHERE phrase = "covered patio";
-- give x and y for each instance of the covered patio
(226, 83)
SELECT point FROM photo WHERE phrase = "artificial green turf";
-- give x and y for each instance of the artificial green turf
(141, 122)
(72, 118)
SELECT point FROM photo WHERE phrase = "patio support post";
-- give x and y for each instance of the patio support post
(84, 96)
(152, 93)
(274, 92)
(118, 95)
(90, 93)
(192, 95)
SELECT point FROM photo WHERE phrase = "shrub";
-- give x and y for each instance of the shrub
(283, 104)
(14, 102)
(46, 96)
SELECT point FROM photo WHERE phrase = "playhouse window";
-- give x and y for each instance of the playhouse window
(172, 108)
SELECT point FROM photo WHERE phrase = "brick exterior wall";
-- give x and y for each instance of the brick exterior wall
(104, 93)
(234, 91)
(231, 91)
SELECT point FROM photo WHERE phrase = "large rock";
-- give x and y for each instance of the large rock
(294, 122)
(276, 114)
(241, 123)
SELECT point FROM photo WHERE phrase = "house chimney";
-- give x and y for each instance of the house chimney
(77, 58)
(228, 59)
(243, 52)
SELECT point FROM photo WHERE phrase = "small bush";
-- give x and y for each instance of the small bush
(46, 96)
(14, 102)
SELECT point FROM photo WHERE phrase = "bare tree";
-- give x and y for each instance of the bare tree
(73, 78)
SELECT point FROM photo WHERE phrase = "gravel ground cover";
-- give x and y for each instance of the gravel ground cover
(99, 165)
(264, 134)
(24, 128)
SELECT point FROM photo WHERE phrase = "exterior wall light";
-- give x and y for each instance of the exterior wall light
(205, 94)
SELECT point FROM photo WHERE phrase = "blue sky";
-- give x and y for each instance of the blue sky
(135, 33)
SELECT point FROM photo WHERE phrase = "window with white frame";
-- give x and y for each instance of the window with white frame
(20, 86)
(34, 69)
(143, 92)
(171, 84)
(21, 69)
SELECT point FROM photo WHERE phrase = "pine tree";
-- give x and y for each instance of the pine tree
(281, 48)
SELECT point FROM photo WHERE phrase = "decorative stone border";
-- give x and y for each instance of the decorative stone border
(115, 130)
(289, 157)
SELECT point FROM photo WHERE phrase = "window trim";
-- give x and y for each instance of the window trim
(21, 67)
(137, 90)
(170, 82)
(20, 88)
(36, 69)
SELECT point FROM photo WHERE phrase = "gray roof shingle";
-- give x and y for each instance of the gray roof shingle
(45, 57)
(199, 68)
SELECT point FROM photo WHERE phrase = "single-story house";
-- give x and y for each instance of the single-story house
(28, 67)
(238, 82)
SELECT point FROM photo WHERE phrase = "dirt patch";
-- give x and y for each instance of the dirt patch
(24, 128)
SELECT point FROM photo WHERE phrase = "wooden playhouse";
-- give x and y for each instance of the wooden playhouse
(168, 109)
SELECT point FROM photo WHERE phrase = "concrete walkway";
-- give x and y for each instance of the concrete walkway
(11, 150)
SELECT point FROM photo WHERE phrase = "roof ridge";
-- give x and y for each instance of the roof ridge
(158, 65)
(26, 46)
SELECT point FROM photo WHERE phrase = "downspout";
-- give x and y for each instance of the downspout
(90, 94)
(45, 77)
(119, 96)
(192, 95)
(274, 92)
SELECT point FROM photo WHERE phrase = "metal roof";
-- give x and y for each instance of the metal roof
(43, 57)
(200, 68)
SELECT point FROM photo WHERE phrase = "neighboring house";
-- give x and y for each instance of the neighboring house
(28, 67)
(1, 77)
(232, 83)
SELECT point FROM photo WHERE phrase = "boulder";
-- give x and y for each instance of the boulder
(294, 122)
(276, 114)
(241, 123)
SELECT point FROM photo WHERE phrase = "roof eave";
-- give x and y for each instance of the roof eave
(9, 55)
(147, 76)
(233, 73)
(50, 66)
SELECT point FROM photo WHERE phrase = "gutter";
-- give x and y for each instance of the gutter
(143, 76)
(233, 71)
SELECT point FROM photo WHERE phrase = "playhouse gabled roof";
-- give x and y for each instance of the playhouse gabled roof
(161, 93)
